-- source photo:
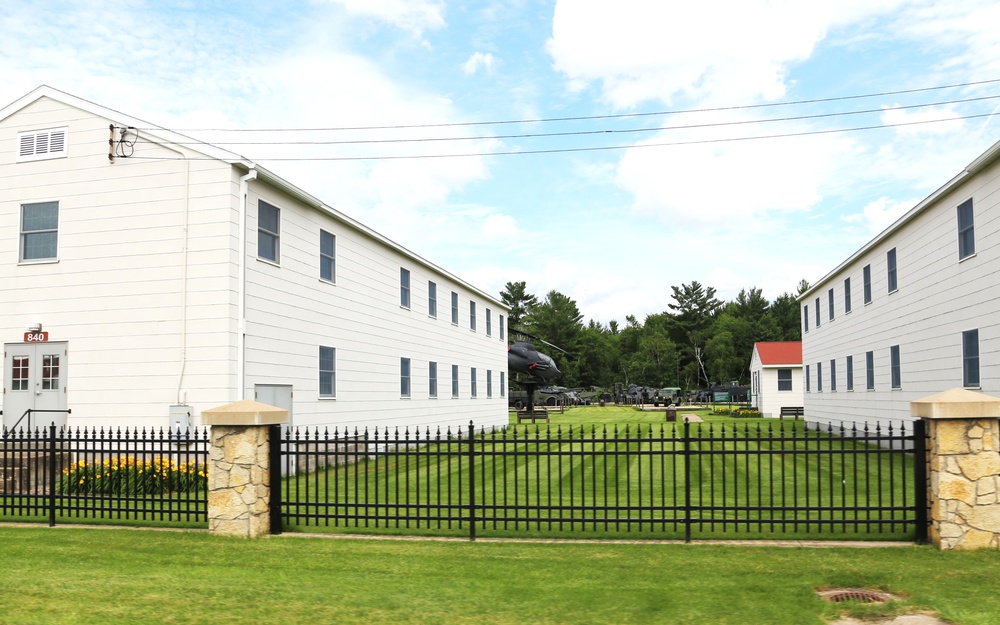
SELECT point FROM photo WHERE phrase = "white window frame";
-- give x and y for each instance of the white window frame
(967, 231)
(405, 374)
(432, 302)
(329, 373)
(891, 271)
(26, 235)
(404, 288)
(328, 258)
(266, 234)
(895, 368)
(432, 379)
(782, 374)
(970, 359)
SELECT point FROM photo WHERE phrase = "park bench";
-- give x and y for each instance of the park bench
(792, 411)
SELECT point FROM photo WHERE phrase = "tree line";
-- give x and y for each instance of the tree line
(698, 342)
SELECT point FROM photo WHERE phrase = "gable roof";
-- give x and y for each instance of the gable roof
(779, 353)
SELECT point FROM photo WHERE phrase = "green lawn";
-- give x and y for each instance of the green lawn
(575, 483)
(69, 576)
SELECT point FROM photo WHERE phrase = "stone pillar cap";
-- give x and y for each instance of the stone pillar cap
(245, 412)
(958, 403)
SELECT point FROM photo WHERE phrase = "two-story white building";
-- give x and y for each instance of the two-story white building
(776, 376)
(912, 313)
(145, 277)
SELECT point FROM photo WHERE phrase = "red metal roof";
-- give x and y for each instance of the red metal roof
(780, 353)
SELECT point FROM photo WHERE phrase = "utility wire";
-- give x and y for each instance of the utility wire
(597, 148)
(576, 133)
(592, 117)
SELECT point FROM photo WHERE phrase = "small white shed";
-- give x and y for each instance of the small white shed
(776, 377)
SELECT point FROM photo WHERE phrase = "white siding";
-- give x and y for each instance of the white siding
(769, 400)
(145, 290)
(117, 290)
(291, 312)
(938, 298)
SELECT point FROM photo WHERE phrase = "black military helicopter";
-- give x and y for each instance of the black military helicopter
(523, 357)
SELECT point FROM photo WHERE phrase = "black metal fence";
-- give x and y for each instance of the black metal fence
(87, 475)
(677, 480)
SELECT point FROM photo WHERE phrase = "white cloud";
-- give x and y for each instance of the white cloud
(728, 185)
(415, 16)
(737, 51)
(938, 120)
(478, 61)
(878, 215)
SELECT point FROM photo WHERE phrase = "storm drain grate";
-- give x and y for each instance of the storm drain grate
(861, 595)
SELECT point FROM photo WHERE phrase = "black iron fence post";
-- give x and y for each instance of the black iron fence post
(920, 480)
(52, 475)
(472, 482)
(274, 468)
(687, 480)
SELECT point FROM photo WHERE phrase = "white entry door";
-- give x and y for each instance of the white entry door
(34, 377)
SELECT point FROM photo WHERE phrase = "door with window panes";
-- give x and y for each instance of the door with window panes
(34, 377)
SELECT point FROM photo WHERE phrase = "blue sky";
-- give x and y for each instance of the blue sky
(682, 196)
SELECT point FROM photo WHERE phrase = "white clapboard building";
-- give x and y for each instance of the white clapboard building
(776, 377)
(145, 278)
(912, 313)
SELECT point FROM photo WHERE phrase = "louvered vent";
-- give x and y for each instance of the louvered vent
(39, 144)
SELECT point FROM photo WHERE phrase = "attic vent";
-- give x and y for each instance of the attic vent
(40, 144)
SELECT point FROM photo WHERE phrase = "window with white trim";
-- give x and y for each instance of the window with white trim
(819, 377)
(489, 383)
(472, 316)
(404, 287)
(432, 299)
(473, 379)
(327, 256)
(833, 374)
(870, 371)
(432, 379)
(268, 231)
(850, 373)
(404, 377)
(830, 304)
(36, 145)
(894, 367)
(970, 358)
(489, 323)
(784, 379)
(454, 380)
(966, 230)
(890, 268)
(454, 307)
(39, 231)
(847, 295)
(501, 327)
(867, 277)
(327, 371)
(817, 314)
(503, 382)
(807, 379)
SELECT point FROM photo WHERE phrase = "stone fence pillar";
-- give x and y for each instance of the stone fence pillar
(963, 468)
(239, 489)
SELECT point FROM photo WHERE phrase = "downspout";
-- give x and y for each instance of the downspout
(181, 398)
(179, 393)
(241, 330)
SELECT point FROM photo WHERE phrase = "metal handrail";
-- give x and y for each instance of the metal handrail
(27, 413)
